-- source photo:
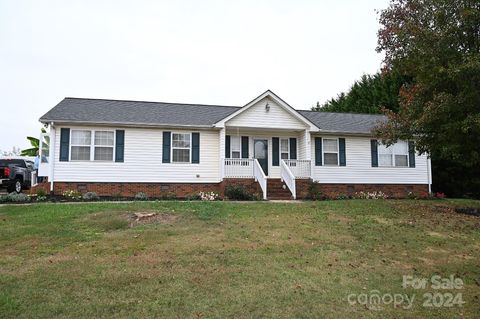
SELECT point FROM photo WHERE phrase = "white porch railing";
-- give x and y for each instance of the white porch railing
(288, 178)
(238, 168)
(260, 177)
(299, 168)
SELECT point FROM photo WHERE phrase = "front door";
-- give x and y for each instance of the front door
(260, 152)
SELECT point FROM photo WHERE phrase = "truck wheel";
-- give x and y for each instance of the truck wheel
(16, 186)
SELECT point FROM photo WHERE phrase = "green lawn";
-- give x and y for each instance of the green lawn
(234, 260)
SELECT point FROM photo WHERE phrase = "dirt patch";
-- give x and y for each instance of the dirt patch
(142, 218)
(340, 218)
(382, 220)
(436, 234)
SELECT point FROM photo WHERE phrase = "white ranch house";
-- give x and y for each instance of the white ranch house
(122, 147)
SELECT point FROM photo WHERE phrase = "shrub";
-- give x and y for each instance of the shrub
(208, 196)
(17, 198)
(41, 198)
(72, 194)
(41, 192)
(342, 196)
(168, 196)
(141, 196)
(440, 195)
(90, 196)
(194, 196)
(370, 195)
(314, 192)
(238, 192)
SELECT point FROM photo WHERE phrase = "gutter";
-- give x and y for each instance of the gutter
(127, 124)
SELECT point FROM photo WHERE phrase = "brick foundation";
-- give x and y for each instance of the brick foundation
(45, 186)
(184, 190)
(153, 190)
(392, 190)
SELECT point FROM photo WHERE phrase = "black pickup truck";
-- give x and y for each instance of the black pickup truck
(15, 174)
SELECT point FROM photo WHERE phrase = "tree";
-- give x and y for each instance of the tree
(35, 143)
(437, 42)
(368, 95)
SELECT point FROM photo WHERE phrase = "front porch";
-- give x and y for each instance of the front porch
(249, 168)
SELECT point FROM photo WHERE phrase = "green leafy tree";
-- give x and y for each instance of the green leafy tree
(35, 143)
(437, 42)
(368, 95)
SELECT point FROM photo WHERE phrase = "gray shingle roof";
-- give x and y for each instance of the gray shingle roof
(136, 112)
(343, 122)
(78, 110)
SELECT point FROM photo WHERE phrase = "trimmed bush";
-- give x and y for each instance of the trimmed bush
(17, 198)
(314, 192)
(41, 192)
(238, 192)
(141, 196)
(90, 196)
(194, 196)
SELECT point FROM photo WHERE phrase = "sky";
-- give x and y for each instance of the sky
(206, 52)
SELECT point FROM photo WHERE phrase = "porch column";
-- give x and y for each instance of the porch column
(221, 156)
(308, 149)
(51, 158)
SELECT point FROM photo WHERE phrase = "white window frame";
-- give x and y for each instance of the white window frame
(239, 146)
(288, 148)
(181, 148)
(394, 164)
(92, 145)
(337, 152)
(110, 146)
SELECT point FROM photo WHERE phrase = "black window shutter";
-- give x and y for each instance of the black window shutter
(293, 148)
(374, 151)
(275, 151)
(195, 148)
(166, 147)
(318, 151)
(411, 153)
(227, 146)
(343, 157)
(119, 145)
(244, 146)
(64, 144)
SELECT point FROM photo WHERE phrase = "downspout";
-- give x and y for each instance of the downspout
(52, 155)
(429, 168)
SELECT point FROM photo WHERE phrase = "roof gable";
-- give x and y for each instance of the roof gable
(266, 111)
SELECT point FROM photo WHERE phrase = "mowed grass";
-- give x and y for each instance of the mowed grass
(233, 260)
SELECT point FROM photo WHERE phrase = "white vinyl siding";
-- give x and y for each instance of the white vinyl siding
(258, 117)
(143, 160)
(360, 170)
